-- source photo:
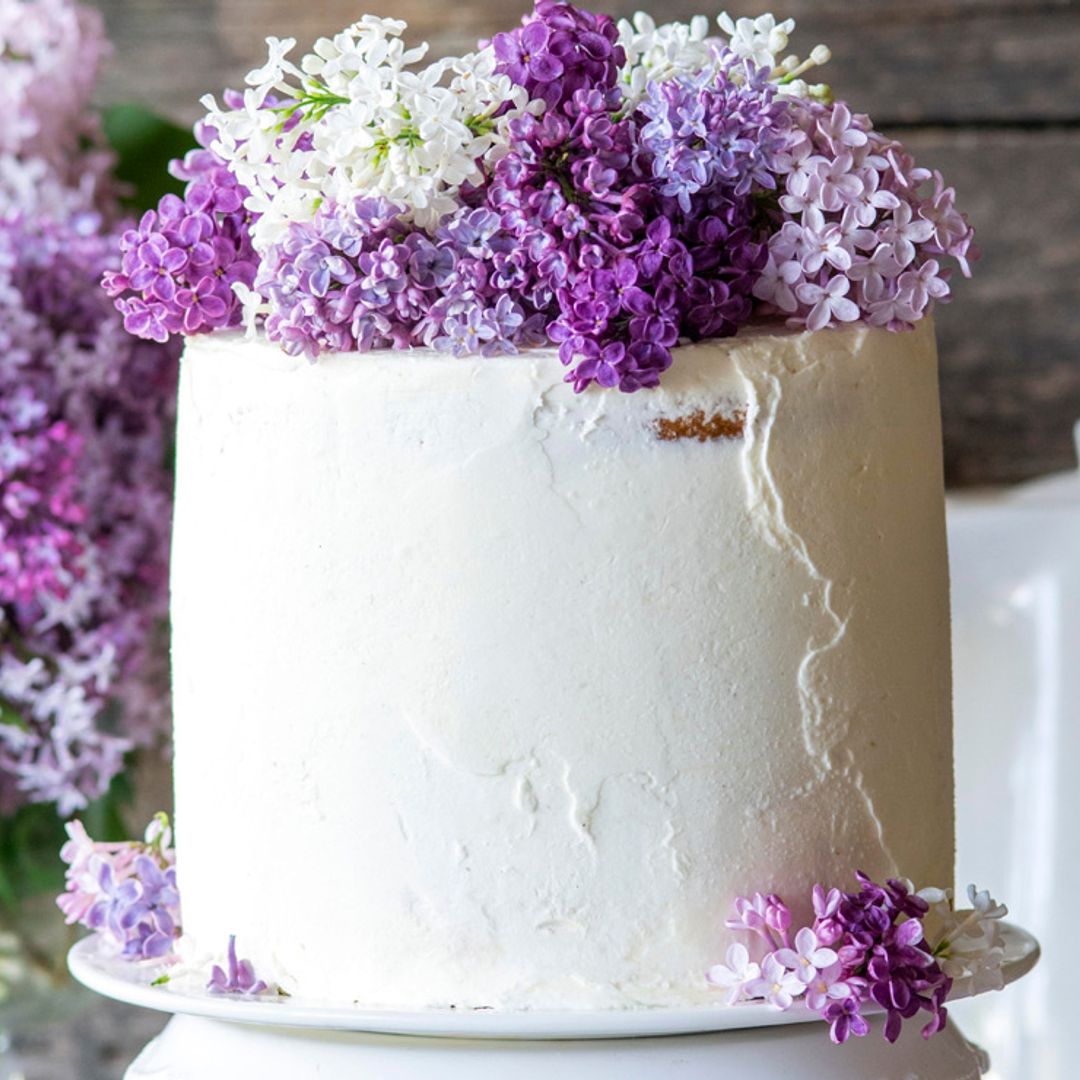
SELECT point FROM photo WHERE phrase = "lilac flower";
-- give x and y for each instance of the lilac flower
(178, 267)
(710, 187)
(560, 50)
(856, 210)
(845, 1020)
(53, 158)
(865, 947)
(126, 892)
(809, 956)
(767, 916)
(826, 906)
(713, 128)
(41, 516)
(901, 233)
(239, 979)
(466, 334)
(778, 986)
(827, 302)
(200, 304)
(826, 986)
(626, 270)
(85, 415)
(736, 975)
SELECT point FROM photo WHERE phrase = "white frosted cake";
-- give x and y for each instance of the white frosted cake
(488, 693)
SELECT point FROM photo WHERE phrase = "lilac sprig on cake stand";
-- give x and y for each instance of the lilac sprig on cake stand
(238, 977)
(125, 892)
(884, 946)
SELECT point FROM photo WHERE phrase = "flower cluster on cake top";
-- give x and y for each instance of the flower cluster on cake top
(883, 947)
(614, 188)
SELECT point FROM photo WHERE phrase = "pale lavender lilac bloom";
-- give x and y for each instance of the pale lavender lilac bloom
(125, 892)
(862, 234)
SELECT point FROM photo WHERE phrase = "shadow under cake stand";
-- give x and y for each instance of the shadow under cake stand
(213, 1037)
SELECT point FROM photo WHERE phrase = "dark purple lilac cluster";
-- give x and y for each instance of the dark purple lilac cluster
(179, 265)
(635, 227)
(882, 946)
(560, 50)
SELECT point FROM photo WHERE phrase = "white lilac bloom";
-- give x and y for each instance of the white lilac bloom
(967, 944)
(658, 53)
(759, 40)
(808, 958)
(736, 975)
(778, 986)
(356, 117)
(762, 41)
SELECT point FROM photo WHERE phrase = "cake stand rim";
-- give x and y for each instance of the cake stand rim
(104, 973)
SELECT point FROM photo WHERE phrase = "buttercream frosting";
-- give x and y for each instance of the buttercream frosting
(491, 694)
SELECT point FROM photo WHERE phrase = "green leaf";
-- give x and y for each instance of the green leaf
(145, 143)
(12, 717)
(31, 838)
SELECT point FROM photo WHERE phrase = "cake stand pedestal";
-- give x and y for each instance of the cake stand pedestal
(220, 1038)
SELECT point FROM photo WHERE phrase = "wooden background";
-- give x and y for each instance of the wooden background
(986, 90)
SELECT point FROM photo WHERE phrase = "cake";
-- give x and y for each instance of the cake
(559, 557)
(491, 694)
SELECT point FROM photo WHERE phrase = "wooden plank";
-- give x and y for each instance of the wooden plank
(1010, 342)
(970, 60)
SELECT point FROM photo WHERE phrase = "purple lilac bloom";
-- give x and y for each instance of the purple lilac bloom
(126, 892)
(85, 421)
(40, 515)
(179, 266)
(357, 277)
(239, 979)
(862, 233)
(623, 269)
(559, 50)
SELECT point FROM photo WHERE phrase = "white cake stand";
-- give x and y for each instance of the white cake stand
(221, 1038)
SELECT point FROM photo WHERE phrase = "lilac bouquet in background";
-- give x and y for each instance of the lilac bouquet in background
(884, 947)
(610, 188)
(52, 154)
(126, 892)
(85, 430)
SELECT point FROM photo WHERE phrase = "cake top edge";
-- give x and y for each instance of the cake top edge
(607, 189)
